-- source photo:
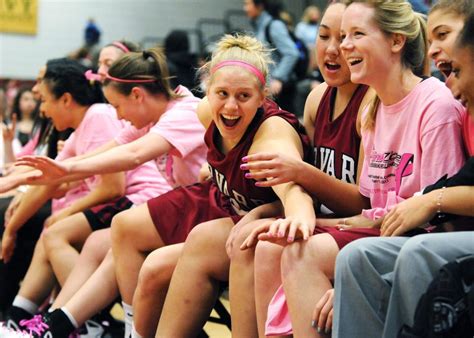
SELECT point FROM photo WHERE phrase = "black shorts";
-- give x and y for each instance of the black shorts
(100, 216)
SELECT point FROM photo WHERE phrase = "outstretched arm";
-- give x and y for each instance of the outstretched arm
(120, 158)
(298, 207)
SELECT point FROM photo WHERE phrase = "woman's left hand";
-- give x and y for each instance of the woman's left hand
(408, 215)
(323, 313)
(282, 231)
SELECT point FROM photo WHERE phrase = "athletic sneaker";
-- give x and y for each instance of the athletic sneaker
(90, 329)
(5, 332)
(14, 316)
(36, 327)
(51, 325)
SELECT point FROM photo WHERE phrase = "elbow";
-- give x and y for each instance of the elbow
(117, 191)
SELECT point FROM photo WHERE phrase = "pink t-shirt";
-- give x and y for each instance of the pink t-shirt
(99, 126)
(413, 144)
(29, 148)
(180, 126)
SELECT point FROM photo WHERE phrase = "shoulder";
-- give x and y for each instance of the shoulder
(277, 27)
(435, 98)
(314, 100)
(204, 112)
(275, 125)
(276, 133)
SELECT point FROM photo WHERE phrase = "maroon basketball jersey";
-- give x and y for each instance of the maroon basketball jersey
(225, 168)
(336, 143)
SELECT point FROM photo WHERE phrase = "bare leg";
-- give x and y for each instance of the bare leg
(39, 279)
(93, 252)
(133, 236)
(153, 283)
(195, 283)
(307, 271)
(241, 287)
(267, 279)
(99, 291)
(63, 241)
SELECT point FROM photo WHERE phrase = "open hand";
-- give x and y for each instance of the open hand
(271, 169)
(51, 170)
(323, 313)
(408, 215)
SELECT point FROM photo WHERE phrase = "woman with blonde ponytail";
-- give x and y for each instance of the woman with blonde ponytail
(240, 120)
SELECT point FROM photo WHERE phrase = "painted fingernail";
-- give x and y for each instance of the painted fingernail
(327, 331)
(318, 329)
(281, 233)
(291, 239)
(313, 323)
(248, 175)
(244, 166)
(245, 159)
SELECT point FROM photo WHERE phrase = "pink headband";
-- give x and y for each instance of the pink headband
(92, 76)
(129, 80)
(121, 46)
(243, 64)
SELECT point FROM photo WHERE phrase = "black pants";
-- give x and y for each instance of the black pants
(13, 272)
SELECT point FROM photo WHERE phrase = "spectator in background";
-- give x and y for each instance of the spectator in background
(307, 29)
(23, 108)
(88, 53)
(182, 63)
(263, 14)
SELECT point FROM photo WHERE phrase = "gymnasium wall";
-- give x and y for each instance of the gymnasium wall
(61, 25)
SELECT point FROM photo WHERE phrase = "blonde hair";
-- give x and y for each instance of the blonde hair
(240, 48)
(398, 17)
(149, 64)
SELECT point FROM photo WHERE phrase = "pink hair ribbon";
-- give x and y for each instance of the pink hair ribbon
(242, 64)
(92, 76)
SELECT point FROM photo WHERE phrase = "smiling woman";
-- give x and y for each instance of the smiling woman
(241, 121)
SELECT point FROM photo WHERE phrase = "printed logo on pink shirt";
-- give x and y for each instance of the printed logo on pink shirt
(401, 165)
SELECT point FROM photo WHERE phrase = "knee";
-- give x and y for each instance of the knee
(415, 251)
(95, 248)
(52, 237)
(238, 256)
(198, 239)
(266, 254)
(155, 274)
(350, 257)
(122, 228)
(292, 258)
